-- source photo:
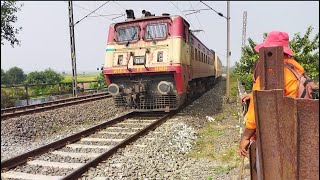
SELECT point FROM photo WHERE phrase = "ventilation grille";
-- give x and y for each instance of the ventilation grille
(158, 102)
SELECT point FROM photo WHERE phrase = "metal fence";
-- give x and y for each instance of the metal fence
(287, 128)
(24, 93)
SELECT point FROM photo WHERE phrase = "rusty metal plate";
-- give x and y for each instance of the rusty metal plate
(287, 127)
(266, 115)
(252, 155)
(288, 135)
(270, 68)
(308, 132)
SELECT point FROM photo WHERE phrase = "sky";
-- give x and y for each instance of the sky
(45, 37)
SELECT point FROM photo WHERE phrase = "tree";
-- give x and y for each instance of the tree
(4, 79)
(101, 80)
(43, 77)
(8, 18)
(15, 75)
(35, 78)
(306, 53)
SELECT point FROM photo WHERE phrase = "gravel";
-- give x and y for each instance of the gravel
(24, 133)
(166, 156)
(59, 158)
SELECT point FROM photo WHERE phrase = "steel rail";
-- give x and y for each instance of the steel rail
(13, 109)
(94, 162)
(22, 158)
(17, 111)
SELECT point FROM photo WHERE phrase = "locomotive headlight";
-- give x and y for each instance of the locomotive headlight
(164, 87)
(160, 56)
(113, 89)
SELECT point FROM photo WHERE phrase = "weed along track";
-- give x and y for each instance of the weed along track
(72, 156)
(18, 111)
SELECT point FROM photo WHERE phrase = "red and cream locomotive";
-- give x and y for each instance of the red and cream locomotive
(155, 63)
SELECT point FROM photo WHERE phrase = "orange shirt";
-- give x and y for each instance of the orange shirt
(290, 89)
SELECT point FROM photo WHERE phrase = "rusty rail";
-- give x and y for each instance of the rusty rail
(17, 111)
(287, 128)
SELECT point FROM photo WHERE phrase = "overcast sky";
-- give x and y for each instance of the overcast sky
(45, 41)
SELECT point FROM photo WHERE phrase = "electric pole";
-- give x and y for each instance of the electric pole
(244, 30)
(228, 50)
(73, 51)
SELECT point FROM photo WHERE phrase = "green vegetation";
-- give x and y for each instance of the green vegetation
(215, 142)
(306, 53)
(16, 76)
(101, 81)
(8, 18)
(80, 77)
(43, 77)
(220, 169)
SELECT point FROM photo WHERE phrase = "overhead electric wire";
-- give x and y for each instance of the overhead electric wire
(104, 15)
(219, 13)
(119, 5)
(91, 13)
(199, 23)
(197, 18)
(182, 14)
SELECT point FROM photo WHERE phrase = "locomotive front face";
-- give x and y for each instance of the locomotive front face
(143, 64)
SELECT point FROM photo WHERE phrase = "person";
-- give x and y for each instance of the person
(274, 38)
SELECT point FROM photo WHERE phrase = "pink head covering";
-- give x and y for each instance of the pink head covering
(277, 38)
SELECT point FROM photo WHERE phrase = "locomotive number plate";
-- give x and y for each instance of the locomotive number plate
(161, 68)
(117, 71)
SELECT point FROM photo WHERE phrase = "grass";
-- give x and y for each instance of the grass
(233, 85)
(213, 142)
(80, 77)
(221, 169)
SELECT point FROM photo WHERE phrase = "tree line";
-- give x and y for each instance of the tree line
(16, 75)
(306, 51)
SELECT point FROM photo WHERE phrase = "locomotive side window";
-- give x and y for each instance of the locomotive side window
(192, 57)
(196, 54)
(202, 59)
(127, 33)
(156, 31)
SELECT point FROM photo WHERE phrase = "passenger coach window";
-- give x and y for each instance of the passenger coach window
(127, 33)
(156, 31)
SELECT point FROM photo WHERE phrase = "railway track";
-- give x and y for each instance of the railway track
(86, 149)
(18, 111)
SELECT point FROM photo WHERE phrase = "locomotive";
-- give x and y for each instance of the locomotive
(155, 63)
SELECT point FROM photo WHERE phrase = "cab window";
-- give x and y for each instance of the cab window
(156, 31)
(127, 33)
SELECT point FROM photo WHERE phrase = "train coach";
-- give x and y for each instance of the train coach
(155, 63)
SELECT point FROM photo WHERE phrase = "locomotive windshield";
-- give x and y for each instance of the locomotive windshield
(156, 31)
(127, 33)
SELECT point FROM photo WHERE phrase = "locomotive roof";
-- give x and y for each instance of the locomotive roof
(149, 18)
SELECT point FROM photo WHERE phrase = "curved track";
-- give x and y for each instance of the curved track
(18, 111)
